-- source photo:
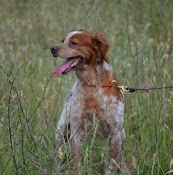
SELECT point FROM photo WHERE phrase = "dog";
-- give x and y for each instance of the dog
(92, 99)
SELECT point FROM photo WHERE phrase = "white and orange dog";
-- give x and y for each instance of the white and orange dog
(91, 98)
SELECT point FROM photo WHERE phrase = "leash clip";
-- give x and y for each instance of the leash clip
(123, 88)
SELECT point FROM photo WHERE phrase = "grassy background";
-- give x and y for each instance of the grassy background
(140, 33)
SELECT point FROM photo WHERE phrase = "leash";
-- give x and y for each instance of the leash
(128, 89)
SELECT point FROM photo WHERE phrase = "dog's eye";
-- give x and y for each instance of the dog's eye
(74, 43)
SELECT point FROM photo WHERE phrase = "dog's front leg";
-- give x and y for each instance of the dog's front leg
(77, 136)
(61, 127)
(115, 153)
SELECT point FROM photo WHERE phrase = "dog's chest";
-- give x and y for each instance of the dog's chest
(99, 102)
(107, 111)
(88, 102)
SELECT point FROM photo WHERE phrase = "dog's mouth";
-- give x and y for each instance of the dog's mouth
(69, 65)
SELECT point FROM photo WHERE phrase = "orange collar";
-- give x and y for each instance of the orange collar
(105, 85)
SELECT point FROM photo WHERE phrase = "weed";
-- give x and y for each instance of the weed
(31, 100)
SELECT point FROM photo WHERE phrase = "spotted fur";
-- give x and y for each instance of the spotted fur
(97, 106)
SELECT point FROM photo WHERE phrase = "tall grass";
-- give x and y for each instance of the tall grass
(31, 100)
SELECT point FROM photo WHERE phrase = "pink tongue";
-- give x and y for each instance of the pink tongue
(60, 69)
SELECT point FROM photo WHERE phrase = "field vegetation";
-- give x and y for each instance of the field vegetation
(31, 99)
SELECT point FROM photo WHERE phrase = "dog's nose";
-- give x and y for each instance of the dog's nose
(54, 48)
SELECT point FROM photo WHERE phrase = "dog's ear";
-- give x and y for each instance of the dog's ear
(101, 42)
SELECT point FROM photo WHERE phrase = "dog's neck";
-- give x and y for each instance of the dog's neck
(97, 74)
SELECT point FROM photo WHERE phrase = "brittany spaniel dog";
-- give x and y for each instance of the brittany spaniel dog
(92, 101)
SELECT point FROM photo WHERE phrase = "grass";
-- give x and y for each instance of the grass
(31, 100)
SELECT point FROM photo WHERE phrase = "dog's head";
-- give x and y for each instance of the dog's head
(81, 49)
